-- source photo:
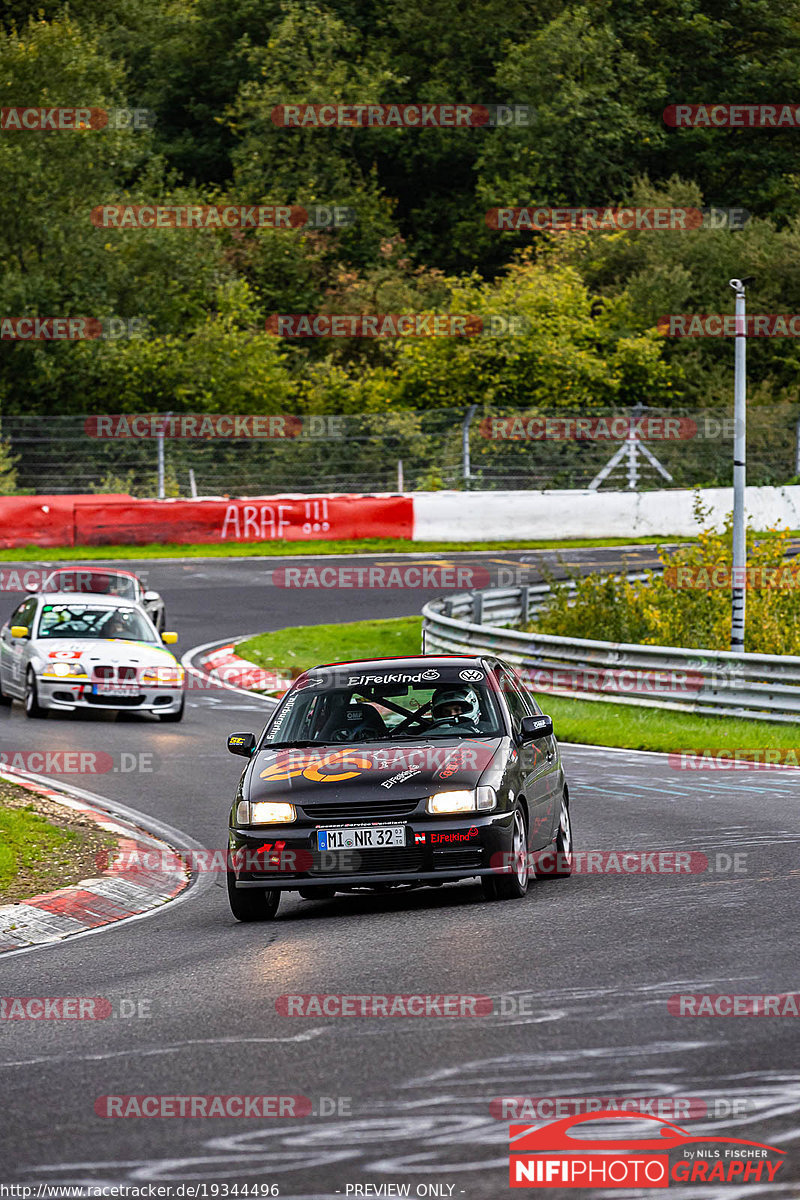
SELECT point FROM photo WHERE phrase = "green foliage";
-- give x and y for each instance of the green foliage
(597, 73)
(689, 603)
(8, 471)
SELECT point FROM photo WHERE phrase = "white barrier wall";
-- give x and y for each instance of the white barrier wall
(497, 516)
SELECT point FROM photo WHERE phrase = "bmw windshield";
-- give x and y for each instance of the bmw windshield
(76, 620)
(386, 706)
(101, 583)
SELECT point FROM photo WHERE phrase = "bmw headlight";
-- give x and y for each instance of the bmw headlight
(443, 804)
(265, 812)
(166, 676)
(63, 669)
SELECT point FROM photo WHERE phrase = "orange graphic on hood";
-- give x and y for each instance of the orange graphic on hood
(320, 770)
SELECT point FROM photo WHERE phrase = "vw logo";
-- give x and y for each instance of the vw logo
(470, 676)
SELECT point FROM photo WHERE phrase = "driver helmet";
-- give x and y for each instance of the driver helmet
(121, 622)
(455, 703)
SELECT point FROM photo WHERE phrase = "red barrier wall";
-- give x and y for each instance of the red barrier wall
(44, 520)
(269, 518)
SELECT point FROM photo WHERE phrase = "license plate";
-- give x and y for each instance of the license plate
(115, 689)
(368, 837)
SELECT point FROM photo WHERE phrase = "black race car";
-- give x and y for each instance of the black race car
(397, 771)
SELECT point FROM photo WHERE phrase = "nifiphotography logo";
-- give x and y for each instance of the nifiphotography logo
(550, 1156)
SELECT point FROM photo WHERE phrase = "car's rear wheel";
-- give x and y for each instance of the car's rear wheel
(252, 904)
(4, 699)
(317, 893)
(563, 842)
(514, 884)
(32, 706)
(169, 717)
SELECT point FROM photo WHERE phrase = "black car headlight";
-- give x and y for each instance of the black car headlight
(445, 804)
(265, 812)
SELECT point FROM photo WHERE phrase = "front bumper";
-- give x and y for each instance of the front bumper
(436, 849)
(63, 694)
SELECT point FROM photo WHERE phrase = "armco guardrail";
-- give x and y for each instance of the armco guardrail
(762, 687)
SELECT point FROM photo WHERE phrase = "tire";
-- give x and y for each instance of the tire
(563, 842)
(317, 893)
(5, 701)
(514, 885)
(252, 904)
(32, 706)
(170, 717)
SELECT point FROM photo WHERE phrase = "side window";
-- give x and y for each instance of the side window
(531, 707)
(516, 704)
(24, 613)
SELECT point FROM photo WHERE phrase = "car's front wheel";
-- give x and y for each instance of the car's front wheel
(32, 706)
(511, 885)
(252, 904)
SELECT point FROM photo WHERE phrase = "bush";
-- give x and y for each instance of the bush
(690, 603)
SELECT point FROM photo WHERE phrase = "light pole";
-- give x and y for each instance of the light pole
(738, 592)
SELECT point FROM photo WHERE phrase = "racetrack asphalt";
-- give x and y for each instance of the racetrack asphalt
(580, 971)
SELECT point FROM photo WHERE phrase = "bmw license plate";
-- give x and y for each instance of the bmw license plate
(115, 689)
(361, 837)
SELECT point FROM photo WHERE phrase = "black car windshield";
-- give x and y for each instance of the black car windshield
(77, 620)
(397, 705)
(98, 583)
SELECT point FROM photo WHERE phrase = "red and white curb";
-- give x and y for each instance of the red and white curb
(113, 895)
(225, 666)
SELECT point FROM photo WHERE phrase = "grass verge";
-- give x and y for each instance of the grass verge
(296, 649)
(44, 846)
(283, 548)
(589, 721)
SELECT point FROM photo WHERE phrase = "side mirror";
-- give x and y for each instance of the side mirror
(31, 587)
(242, 743)
(149, 597)
(20, 631)
(169, 639)
(536, 727)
